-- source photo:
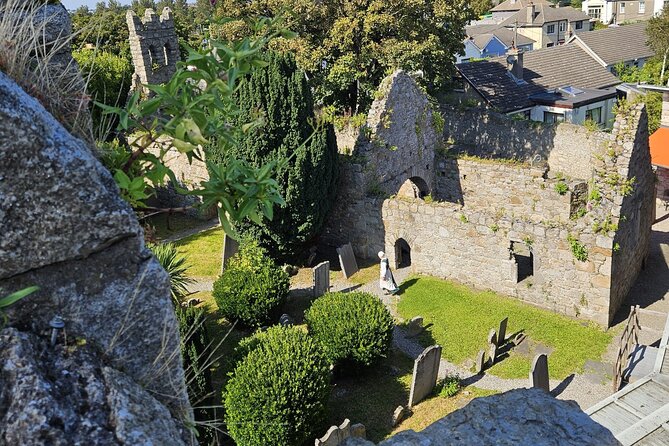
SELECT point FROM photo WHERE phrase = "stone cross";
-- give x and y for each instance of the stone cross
(230, 248)
(321, 278)
(425, 371)
(539, 372)
(349, 266)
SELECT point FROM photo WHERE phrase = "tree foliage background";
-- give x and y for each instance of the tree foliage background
(346, 47)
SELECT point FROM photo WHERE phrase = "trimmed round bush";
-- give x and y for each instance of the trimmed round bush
(278, 392)
(252, 288)
(354, 329)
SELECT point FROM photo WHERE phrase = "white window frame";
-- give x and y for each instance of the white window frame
(595, 12)
(642, 6)
(621, 7)
(548, 29)
(563, 27)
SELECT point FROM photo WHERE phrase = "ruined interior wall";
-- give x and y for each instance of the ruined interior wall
(662, 185)
(635, 211)
(488, 134)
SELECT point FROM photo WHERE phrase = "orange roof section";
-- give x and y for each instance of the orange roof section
(659, 147)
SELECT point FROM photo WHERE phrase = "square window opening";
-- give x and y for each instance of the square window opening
(524, 260)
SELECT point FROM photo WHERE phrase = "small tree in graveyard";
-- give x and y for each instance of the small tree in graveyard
(658, 38)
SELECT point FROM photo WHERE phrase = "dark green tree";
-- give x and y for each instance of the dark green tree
(308, 181)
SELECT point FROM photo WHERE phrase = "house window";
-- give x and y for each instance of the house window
(595, 13)
(563, 27)
(552, 118)
(642, 7)
(594, 114)
(622, 7)
(550, 29)
(579, 25)
(550, 44)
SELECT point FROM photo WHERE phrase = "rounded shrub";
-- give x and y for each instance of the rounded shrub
(354, 329)
(252, 287)
(278, 392)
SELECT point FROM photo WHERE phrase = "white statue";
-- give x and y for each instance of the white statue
(386, 280)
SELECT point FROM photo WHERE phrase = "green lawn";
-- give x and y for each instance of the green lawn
(462, 318)
(204, 253)
(166, 225)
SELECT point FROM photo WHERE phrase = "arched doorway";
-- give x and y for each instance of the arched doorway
(414, 187)
(402, 253)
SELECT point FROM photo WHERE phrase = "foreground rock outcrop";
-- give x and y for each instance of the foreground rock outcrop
(66, 229)
(517, 417)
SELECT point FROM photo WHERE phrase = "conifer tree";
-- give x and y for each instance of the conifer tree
(308, 181)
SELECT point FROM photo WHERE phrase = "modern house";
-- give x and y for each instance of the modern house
(614, 11)
(485, 41)
(616, 44)
(509, 7)
(548, 85)
(546, 25)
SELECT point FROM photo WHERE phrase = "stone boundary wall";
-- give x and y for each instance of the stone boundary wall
(188, 174)
(488, 134)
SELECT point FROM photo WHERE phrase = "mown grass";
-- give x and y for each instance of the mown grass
(204, 253)
(461, 319)
(165, 225)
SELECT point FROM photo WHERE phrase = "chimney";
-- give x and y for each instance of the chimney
(514, 63)
(530, 13)
(664, 121)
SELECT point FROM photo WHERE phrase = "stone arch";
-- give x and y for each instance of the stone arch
(414, 187)
(402, 253)
(400, 239)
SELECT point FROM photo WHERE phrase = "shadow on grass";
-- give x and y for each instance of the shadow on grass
(371, 398)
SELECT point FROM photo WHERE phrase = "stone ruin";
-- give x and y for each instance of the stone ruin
(154, 46)
(556, 215)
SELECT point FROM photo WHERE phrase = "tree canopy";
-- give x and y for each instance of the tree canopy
(658, 38)
(346, 47)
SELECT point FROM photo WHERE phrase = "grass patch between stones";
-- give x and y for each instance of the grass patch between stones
(204, 252)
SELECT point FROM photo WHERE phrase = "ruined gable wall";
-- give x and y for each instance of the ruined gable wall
(633, 213)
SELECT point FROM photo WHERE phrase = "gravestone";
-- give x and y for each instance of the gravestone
(425, 370)
(286, 320)
(336, 435)
(349, 266)
(492, 337)
(492, 352)
(399, 415)
(321, 278)
(539, 373)
(230, 248)
(480, 362)
(501, 333)
(415, 326)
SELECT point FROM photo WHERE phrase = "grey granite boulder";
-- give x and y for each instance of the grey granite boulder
(66, 229)
(66, 395)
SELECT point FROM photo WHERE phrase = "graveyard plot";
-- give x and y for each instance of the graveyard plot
(459, 319)
(204, 253)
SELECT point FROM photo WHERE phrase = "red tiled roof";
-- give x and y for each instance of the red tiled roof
(659, 147)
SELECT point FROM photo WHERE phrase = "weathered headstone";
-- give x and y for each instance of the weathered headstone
(399, 414)
(539, 372)
(230, 248)
(492, 352)
(286, 320)
(492, 337)
(336, 435)
(520, 337)
(349, 266)
(480, 362)
(501, 333)
(425, 370)
(321, 278)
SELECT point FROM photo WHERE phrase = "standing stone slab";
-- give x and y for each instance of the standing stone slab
(425, 370)
(349, 266)
(321, 278)
(492, 352)
(492, 337)
(539, 372)
(230, 248)
(480, 362)
(501, 333)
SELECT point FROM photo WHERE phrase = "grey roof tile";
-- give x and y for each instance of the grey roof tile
(545, 14)
(616, 44)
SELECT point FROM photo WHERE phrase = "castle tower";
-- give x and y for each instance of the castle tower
(154, 46)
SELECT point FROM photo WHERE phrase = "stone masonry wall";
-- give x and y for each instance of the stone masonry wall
(484, 215)
(153, 45)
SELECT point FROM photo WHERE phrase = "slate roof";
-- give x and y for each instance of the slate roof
(545, 14)
(544, 69)
(616, 44)
(516, 5)
(480, 33)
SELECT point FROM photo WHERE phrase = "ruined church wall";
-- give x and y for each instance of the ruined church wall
(488, 134)
(635, 211)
